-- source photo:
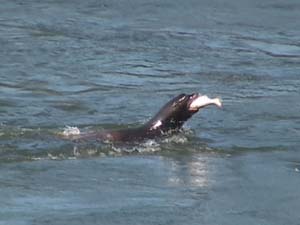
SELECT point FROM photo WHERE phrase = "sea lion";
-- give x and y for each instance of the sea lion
(168, 120)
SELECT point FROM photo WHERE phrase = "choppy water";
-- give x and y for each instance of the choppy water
(98, 64)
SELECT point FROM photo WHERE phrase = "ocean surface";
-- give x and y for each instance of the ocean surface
(104, 64)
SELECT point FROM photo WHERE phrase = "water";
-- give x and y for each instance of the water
(108, 64)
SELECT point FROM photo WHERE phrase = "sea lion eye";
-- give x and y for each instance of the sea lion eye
(178, 101)
(181, 99)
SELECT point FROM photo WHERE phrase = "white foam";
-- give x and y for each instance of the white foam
(176, 138)
(70, 131)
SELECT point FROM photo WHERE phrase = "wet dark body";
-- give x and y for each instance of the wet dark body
(168, 120)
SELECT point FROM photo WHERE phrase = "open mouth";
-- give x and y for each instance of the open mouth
(198, 101)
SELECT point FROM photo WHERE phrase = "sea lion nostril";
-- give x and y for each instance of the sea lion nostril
(194, 95)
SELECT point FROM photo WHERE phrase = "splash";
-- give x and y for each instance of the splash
(176, 139)
(70, 131)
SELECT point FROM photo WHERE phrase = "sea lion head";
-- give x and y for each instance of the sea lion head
(178, 110)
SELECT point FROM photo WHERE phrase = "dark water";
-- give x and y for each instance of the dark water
(97, 64)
